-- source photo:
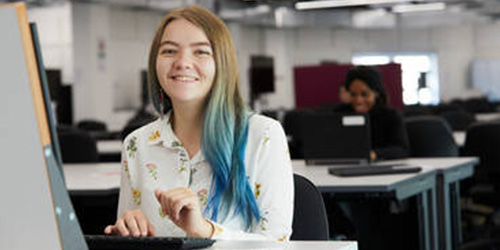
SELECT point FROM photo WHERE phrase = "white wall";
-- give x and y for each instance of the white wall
(103, 84)
(108, 83)
(456, 47)
(56, 37)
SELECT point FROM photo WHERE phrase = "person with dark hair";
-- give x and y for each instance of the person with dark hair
(207, 167)
(344, 95)
(368, 96)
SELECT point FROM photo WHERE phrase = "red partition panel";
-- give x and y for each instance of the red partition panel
(318, 85)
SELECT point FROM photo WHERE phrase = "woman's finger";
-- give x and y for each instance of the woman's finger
(109, 229)
(132, 226)
(121, 228)
(142, 223)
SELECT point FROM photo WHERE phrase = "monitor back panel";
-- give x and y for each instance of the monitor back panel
(336, 138)
(36, 210)
(27, 220)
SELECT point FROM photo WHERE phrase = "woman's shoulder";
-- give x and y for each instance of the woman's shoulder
(258, 122)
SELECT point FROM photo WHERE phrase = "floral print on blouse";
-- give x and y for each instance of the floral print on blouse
(154, 158)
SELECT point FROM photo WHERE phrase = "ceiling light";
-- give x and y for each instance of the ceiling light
(405, 8)
(341, 3)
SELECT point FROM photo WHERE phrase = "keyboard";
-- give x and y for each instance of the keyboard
(107, 242)
(373, 170)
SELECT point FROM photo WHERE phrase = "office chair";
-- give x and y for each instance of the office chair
(483, 188)
(483, 141)
(430, 136)
(92, 125)
(479, 105)
(416, 110)
(141, 118)
(458, 120)
(77, 146)
(310, 221)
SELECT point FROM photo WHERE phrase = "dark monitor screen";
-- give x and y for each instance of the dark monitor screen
(261, 75)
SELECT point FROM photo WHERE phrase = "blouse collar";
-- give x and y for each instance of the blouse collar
(162, 133)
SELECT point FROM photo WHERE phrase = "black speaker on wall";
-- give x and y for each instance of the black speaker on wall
(261, 76)
(62, 95)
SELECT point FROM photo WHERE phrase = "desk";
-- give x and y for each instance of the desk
(92, 178)
(399, 186)
(109, 146)
(487, 117)
(104, 177)
(292, 245)
(449, 172)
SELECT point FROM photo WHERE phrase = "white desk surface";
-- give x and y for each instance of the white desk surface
(104, 176)
(109, 146)
(92, 176)
(486, 117)
(320, 177)
(292, 245)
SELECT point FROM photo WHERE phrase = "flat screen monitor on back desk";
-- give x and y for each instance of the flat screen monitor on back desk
(343, 142)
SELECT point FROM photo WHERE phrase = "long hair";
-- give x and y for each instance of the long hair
(225, 111)
(372, 78)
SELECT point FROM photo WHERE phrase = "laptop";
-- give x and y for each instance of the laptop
(342, 142)
(37, 211)
(336, 139)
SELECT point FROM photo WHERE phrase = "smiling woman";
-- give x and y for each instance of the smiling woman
(368, 96)
(207, 167)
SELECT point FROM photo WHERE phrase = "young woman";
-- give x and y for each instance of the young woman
(207, 167)
(368, 96)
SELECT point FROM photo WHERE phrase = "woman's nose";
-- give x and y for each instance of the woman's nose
(183, 61)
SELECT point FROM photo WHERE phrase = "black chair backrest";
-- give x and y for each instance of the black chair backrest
(310, 221)
(458, 120)
(77, 146)
(411, 111)
(430, 136)
(483, 140)
(92, 125)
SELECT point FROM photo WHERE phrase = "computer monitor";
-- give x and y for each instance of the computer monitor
(336, 138)
(37, 212)
(261, 76)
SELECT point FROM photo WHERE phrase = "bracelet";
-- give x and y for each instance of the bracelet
(213, 228)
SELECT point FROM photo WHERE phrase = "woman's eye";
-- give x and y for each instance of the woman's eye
(202, 52)
(167, 52)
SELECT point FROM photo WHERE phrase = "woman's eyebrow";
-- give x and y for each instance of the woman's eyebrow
(168, 42)
(195, 44)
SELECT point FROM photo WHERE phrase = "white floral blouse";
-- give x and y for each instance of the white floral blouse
(154, 158)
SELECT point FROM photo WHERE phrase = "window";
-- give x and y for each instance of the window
(419, 74)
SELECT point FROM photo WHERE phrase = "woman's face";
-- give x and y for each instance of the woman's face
(362, 97)
(185, 64)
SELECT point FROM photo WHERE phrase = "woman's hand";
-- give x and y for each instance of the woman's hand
(373, 155)
(131, 223)
(183, 208)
